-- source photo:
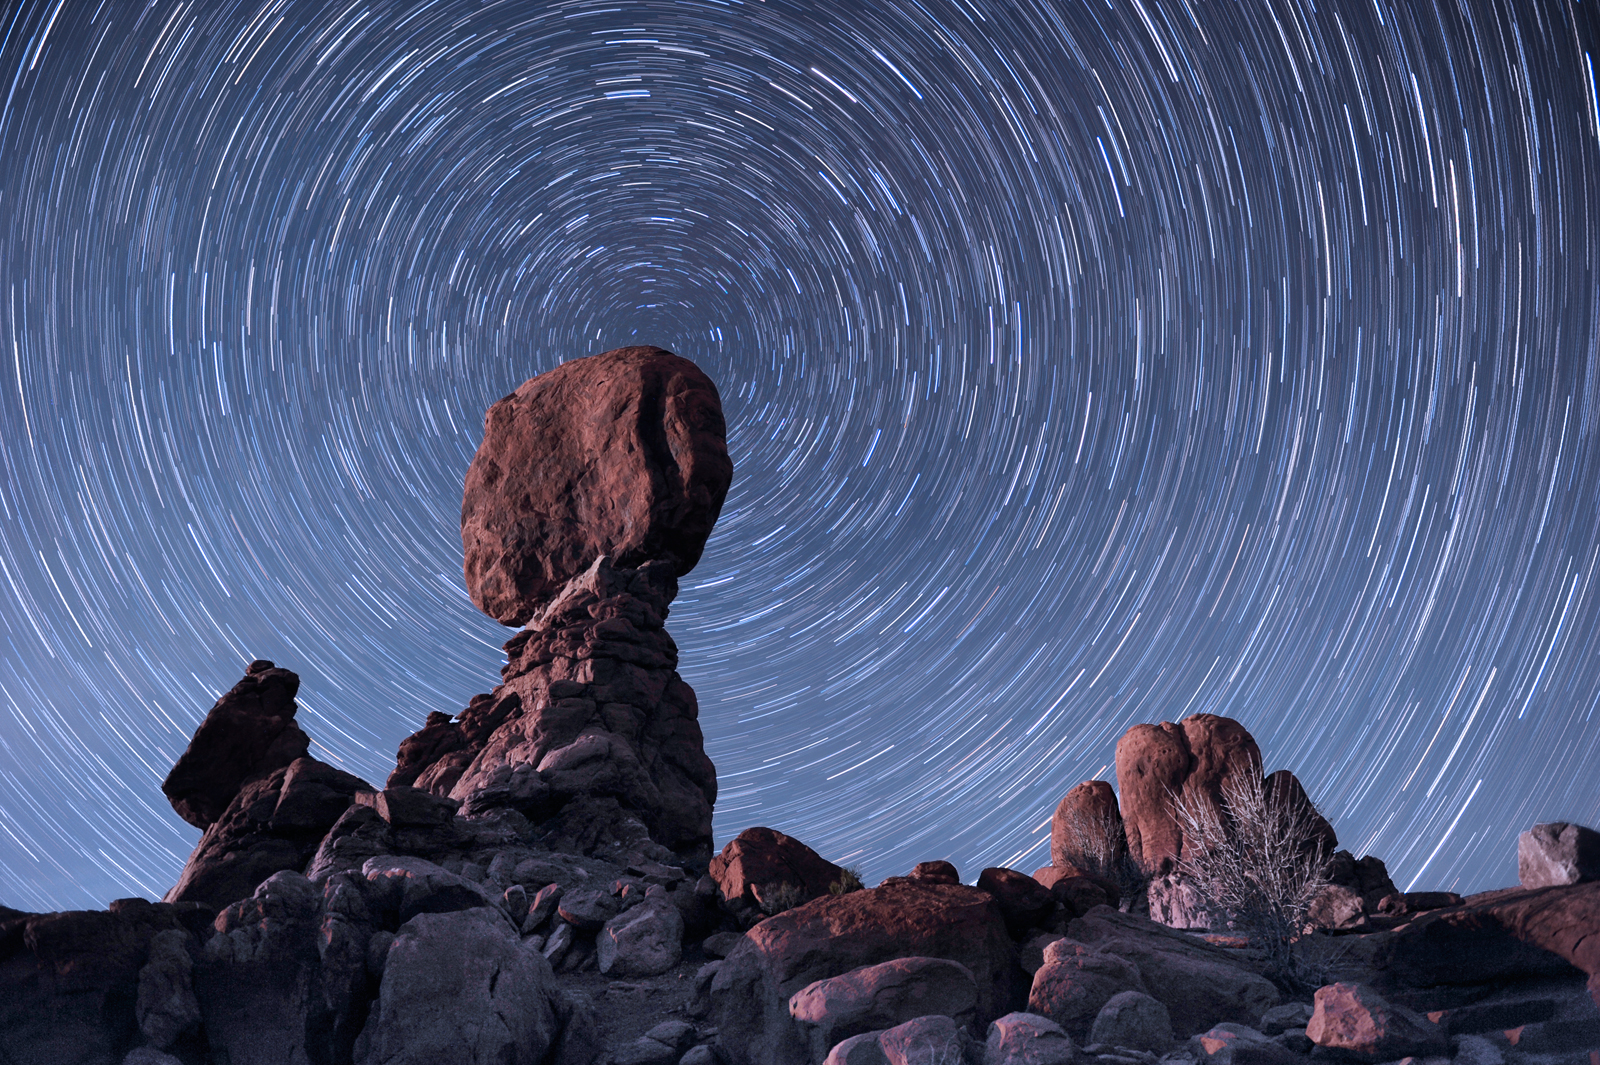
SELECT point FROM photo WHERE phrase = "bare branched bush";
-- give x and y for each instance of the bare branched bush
(1097, 844)
(1256, 864)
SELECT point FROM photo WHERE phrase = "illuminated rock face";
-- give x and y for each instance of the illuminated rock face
(594, 490)
(622, 455)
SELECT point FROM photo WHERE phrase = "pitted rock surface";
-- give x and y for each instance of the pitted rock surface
(622, 455)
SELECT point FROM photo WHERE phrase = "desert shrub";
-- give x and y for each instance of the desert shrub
(1097, 844)
(849, 880)
(782, 896)
(1257, 864)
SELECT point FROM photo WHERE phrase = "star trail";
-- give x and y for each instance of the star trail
(1086, 363)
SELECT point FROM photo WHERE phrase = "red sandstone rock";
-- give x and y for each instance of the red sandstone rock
(249, 733)
(1086, 831)
(759, 861)
(622, 454)
(1355, 1020)
(834, 935)
(936, 872)
(1024, 902)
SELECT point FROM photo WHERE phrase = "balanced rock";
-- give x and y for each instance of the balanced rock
(1558, 853)
(622, 455)
(250, 732)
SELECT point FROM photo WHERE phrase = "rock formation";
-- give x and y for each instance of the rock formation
(622, 455)
(245, 778)
(594, 489)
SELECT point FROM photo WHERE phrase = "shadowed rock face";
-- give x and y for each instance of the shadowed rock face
(622, 454)
(250, 732)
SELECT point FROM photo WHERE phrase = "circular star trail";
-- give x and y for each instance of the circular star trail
(1085, 363)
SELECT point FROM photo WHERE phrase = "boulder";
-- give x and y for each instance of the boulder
(1076, 891)
(588, 909)
(1075, 983)
(460, 987)
(1134, 1021)
(401, 887)
(644, 940)
(1356, 1021)
(1284, 791)
(1086, 831)
(622, 454)
(932, 1040)
(834, 935)
(1024, 902)
(283, 979)
(863, 1049)
(936, 872)
(876, 997)
(1498, 936)
(1027, 1039)
(166, 1006)
(1201, 985)
(69, 981)
(759, 862)
(250, 732)
(275, 822)
(1193, 758)
(1282, 1018)
(407, 807)
(1558, 853)
(1230, 1043)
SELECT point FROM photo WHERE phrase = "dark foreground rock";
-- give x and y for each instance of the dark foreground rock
(832, 936)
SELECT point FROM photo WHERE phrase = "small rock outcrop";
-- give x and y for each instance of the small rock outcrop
(1558, 853)
(277, 812)
(248, 733)
(621, 455)
(593, 491)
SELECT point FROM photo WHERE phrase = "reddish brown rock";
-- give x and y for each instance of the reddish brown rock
(1358, 1023)
(1284, 790)
(834, 935)
(1500, 935)
(250, 732)
(1024, 902)
(622, 455)
(1193, 759)
(593, 735)
(1086, 831)
(759, 861)
(273, 824)
(936, 872)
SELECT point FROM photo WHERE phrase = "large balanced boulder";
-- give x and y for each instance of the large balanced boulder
(622, 454)
(250, 732)
(834, 935)
(1558, 853)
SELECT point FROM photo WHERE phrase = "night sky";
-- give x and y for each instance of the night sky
(1085, 363)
